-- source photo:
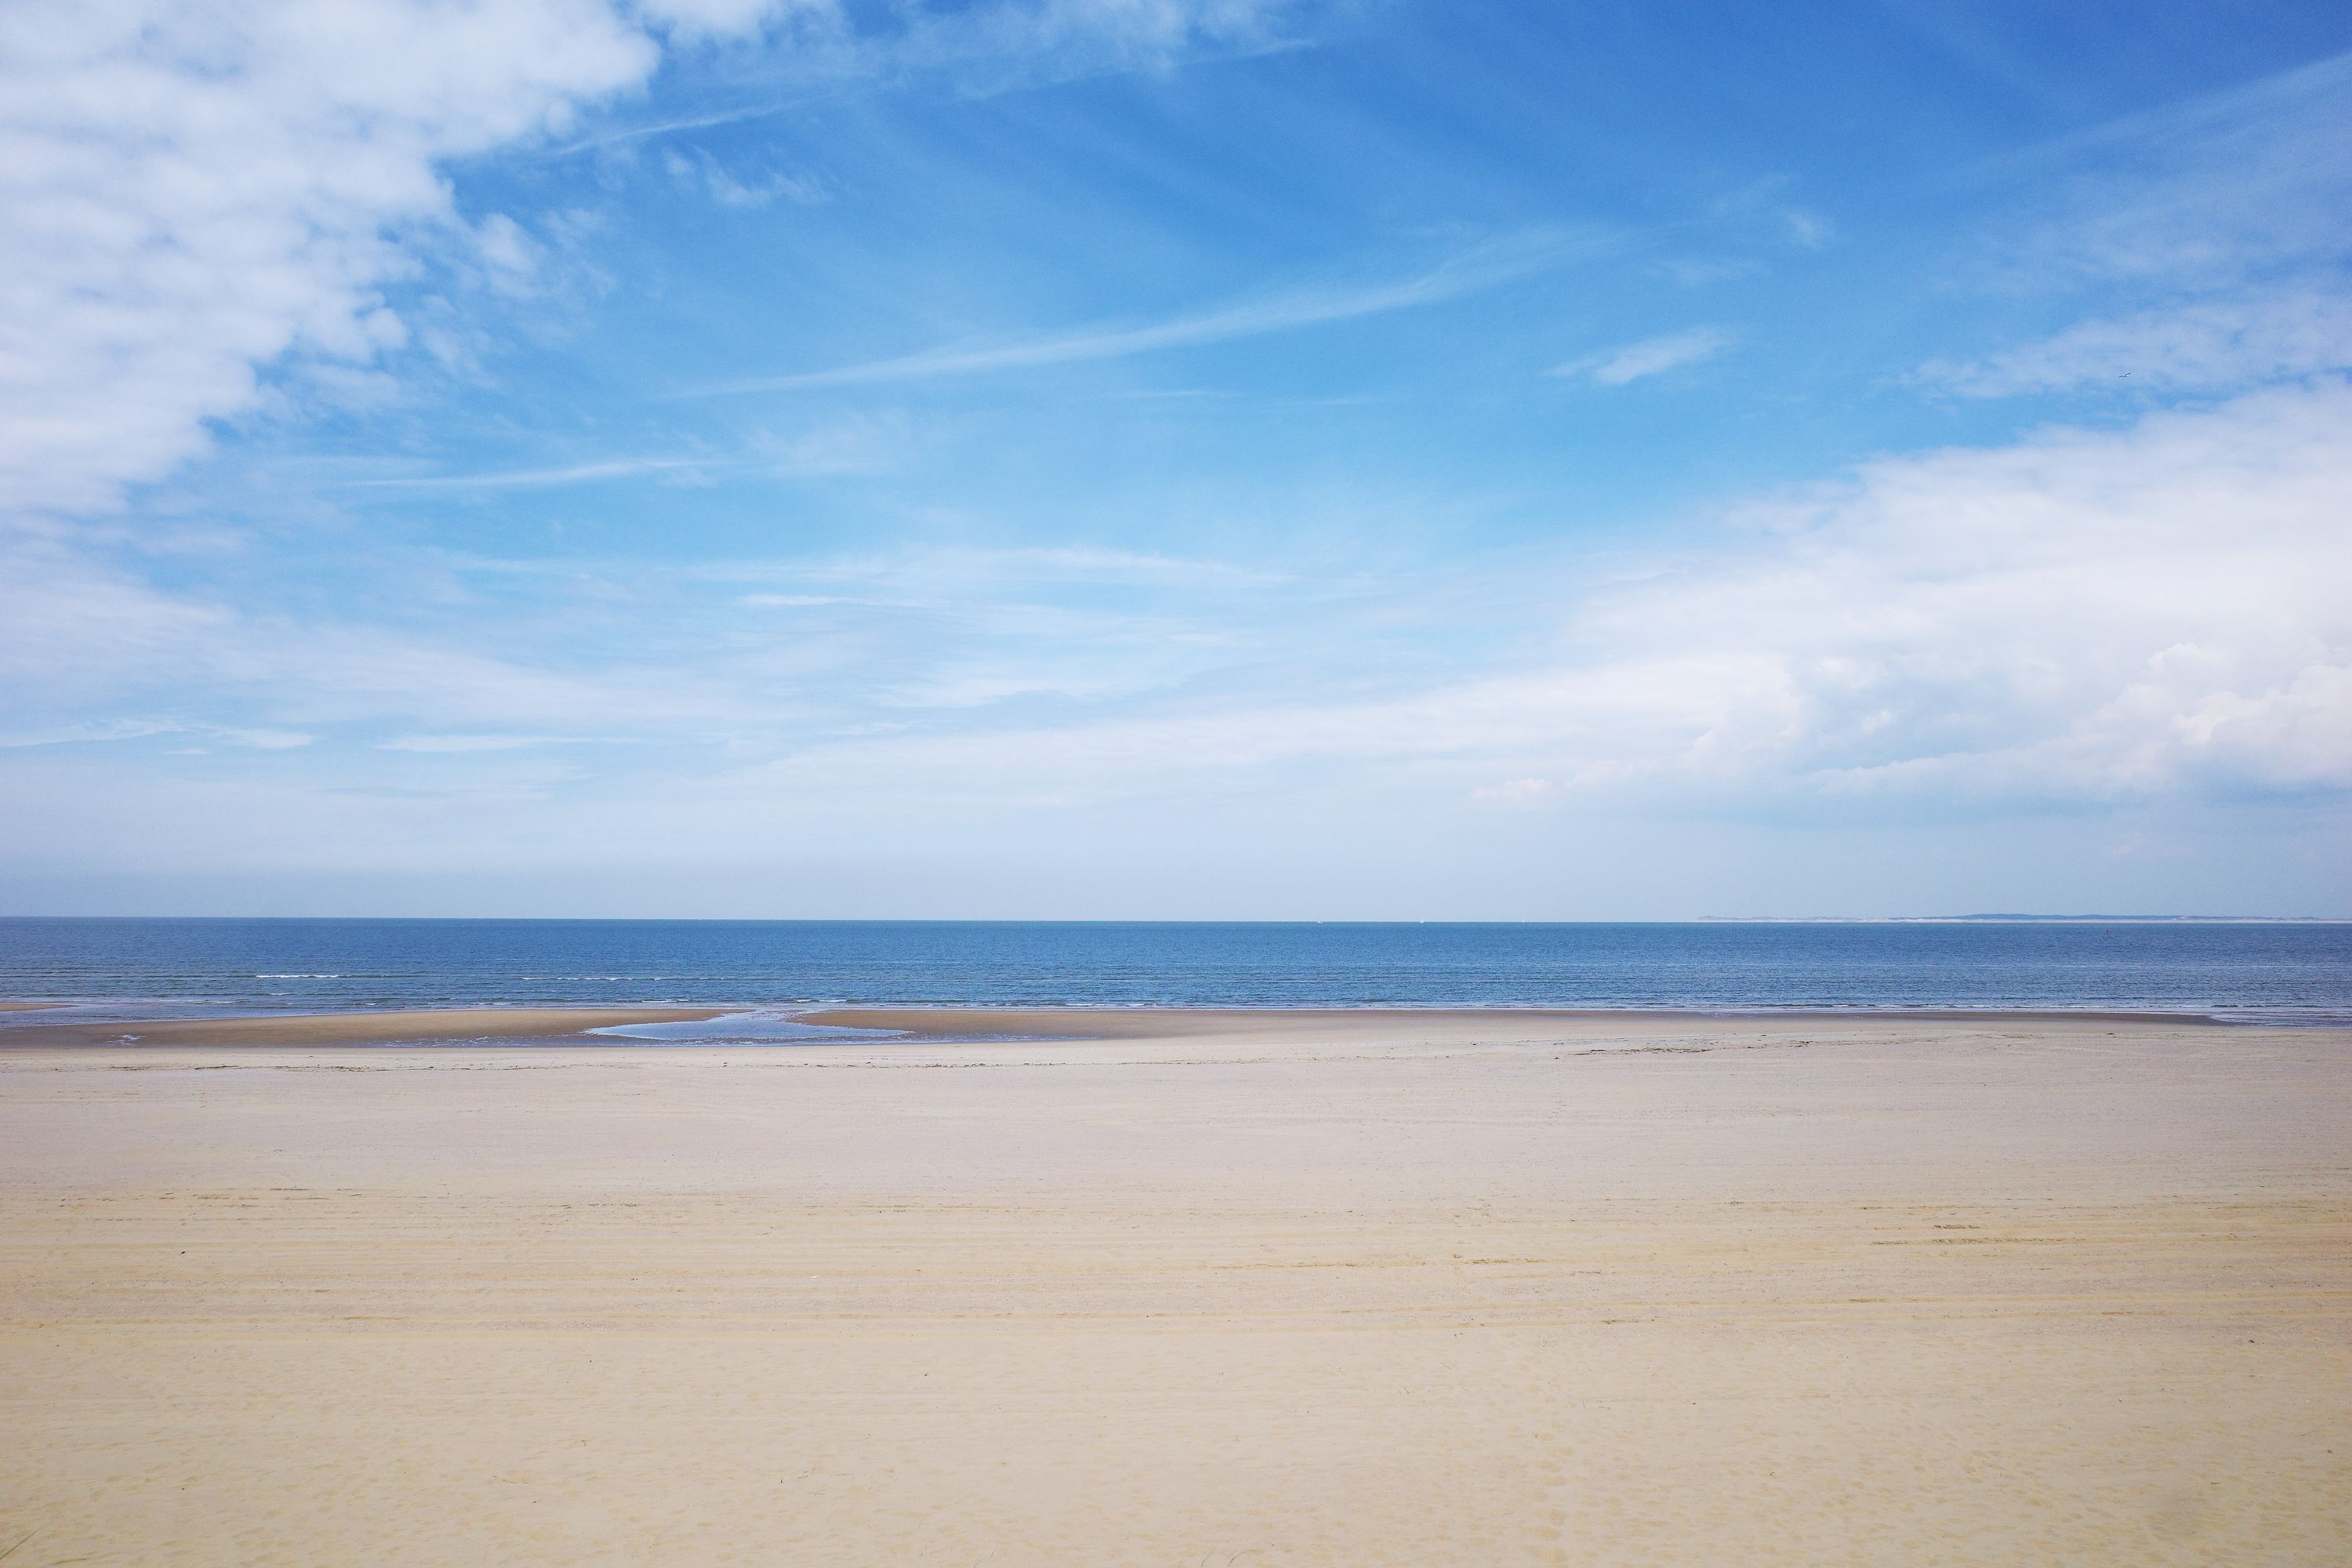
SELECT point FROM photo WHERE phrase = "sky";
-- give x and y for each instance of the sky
(1175, 458)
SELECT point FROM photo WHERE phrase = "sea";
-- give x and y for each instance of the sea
(765, 972)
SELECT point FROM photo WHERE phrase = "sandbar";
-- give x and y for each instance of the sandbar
(1454, 1023)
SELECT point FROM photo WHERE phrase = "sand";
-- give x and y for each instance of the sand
(1352, 1289)
(410, 1027)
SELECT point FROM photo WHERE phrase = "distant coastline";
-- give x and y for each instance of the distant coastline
(2020, 919)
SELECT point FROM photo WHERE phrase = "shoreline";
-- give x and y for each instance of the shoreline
(944, 1024)
(490, 1028)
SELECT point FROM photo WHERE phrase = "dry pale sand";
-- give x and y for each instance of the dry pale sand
(1348, 1289)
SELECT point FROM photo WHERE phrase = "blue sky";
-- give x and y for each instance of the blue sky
(1175, 458)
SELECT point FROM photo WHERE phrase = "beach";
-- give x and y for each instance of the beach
(389, 1026)
(1169, 1288)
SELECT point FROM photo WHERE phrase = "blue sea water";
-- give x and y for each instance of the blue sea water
(2274, 972)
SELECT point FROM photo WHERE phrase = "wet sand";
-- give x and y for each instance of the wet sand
(408, 1026)
(1236, 1289)
(1447, 1024)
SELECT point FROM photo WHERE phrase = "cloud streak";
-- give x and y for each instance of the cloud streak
(538, 479)
(1651, 356)
(820, 45)
(1467, 272)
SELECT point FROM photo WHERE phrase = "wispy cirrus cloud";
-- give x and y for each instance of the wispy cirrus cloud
(2221, 218)
(849, 445)
(115, 730)
(2202, 345)
(1651, 356)
(822, 46)
(739, 189)
(2211, 192)
(537, 479)
(460, 744)
(1467, 271)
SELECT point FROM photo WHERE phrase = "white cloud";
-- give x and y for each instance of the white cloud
(1651, 356)
(189, 191)
(2080, 616)
(193, 190)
